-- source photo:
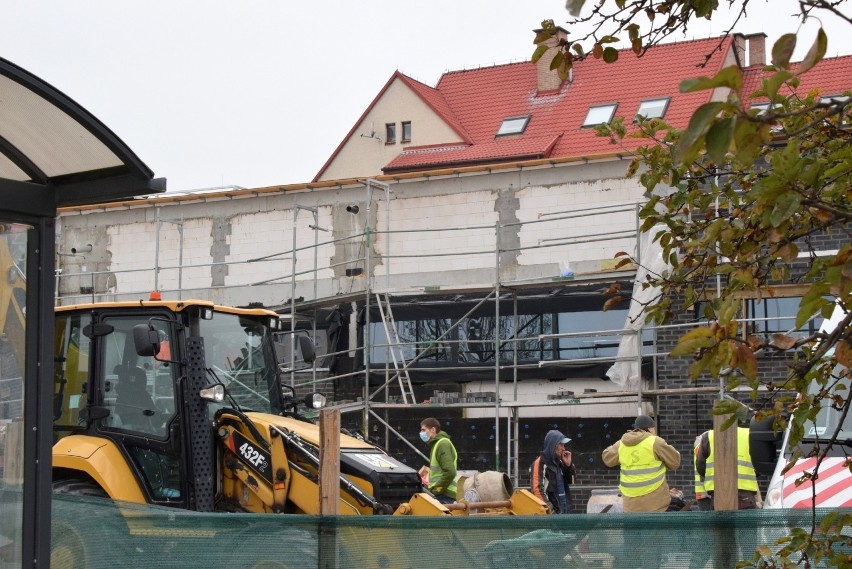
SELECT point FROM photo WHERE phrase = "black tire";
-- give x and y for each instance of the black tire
(67, 547)
(78, 487)
(86, 534)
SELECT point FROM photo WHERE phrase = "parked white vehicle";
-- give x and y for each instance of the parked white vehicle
(833, 488)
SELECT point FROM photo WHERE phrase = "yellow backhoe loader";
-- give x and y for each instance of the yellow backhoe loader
(180, 403)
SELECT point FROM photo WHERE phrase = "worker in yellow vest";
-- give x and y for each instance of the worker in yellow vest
(644, 459)
(747, 492)
(441, 474)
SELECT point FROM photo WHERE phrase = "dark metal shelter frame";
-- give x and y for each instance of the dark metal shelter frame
(53, 153)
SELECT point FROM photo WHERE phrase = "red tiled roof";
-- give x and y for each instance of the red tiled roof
(514, 148)
(831, 76)
(480, 99)
(473, 103)
(432, 97)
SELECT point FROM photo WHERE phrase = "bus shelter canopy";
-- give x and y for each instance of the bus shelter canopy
(54, 153)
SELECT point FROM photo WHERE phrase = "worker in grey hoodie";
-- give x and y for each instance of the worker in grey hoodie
(553, 473)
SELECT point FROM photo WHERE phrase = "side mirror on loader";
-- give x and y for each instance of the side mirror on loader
(146, 340)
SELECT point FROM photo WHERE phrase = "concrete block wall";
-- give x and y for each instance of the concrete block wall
(239, 226)
(427, 214)
(541, 204)
(141, 237)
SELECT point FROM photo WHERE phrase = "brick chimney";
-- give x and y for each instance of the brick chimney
(548, 80)
(739, 49)
(756, 49)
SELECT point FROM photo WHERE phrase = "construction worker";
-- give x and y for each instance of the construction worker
(441, 473)
(747, 493)
(553, 473)
(644, 458)
(702, 499)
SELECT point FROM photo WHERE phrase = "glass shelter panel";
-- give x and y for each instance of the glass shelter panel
(13, 289)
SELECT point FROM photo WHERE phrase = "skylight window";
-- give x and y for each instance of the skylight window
(513, 125)
(653, 108)
(839, 99)
(600, 114)
(761, 108)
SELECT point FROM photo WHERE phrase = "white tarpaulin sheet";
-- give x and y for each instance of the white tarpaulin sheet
(626, 371)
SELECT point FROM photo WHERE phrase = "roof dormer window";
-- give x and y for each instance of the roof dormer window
(600, 114)
(513, 125)
(653, 108)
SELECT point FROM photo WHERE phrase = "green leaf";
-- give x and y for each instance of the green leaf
(748, 140)
(610, 54)
(636, 45)
(730, 77)
(719, 138)
(726, 407)
(542, 36)
(539, 51)
(609, 39)
(774, 82)
(811, 303)
(728, 310)
(557, 60)
(785, 206)
(574, 6)
(828, 521)
(815, 54)
(782, 51)
(578, 49)
(692, 341)
(699, 123)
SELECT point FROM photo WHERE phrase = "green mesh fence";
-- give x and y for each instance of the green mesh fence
(94, 533)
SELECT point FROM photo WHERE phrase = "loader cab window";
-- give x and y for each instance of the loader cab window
(137, 390)
(71, 370)
(240, 354)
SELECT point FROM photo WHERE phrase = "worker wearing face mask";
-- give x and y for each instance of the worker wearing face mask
(440, 476)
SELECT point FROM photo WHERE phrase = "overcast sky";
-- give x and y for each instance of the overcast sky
(256, 93)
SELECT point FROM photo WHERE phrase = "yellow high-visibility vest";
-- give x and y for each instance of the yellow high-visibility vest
(746, 477)
(641, 471)
(436, 471)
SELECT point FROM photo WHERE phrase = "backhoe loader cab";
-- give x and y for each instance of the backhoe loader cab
(127, 387)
